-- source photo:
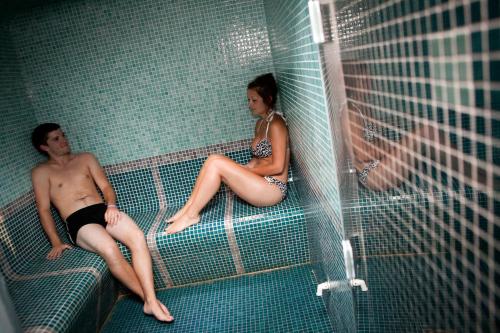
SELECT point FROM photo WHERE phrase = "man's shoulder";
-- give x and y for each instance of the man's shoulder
(40, 172)
(85, 158)
(40, 167)
(84, 154)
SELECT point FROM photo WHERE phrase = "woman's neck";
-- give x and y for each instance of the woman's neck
(269, 115)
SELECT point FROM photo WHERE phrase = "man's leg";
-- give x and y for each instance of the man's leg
(127, 232)
(94, 238)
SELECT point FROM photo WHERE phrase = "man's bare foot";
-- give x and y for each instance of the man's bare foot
(182, 223)
(158, 310)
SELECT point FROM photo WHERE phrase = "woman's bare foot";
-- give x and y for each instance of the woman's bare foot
(182, 223)
(158, 310)
(178, 214)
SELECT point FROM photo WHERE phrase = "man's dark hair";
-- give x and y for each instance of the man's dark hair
(266, 87)
(40, 135)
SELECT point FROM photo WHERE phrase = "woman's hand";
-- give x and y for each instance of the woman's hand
(251, 164)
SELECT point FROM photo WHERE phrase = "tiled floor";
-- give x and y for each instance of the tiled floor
(402, 297)
(277, 301)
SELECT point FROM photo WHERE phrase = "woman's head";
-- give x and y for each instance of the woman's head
(263, 86)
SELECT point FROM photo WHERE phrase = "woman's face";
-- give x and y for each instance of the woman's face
(256, 103)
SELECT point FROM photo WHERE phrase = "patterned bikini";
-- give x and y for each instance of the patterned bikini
(264, 149)
(370, 132)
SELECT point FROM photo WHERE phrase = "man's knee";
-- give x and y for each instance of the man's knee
(137, 240)
(110, 252)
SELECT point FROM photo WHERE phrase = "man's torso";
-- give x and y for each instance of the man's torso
(72, 186)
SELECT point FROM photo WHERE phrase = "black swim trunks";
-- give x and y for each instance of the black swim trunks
(84, 216)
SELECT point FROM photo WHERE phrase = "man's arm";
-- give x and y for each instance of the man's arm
(40, 182)
(112, 213)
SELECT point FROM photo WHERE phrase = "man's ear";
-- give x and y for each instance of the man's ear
(45, 148)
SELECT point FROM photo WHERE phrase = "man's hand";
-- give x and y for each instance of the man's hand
(57, 251)
(112, 215)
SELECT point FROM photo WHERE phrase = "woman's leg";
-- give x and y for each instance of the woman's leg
(397, 163)
(363, 151)
(199, 179)
(247, 185)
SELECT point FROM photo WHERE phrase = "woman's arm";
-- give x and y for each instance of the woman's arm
(251, 164)
(253, 161)
(278, 135)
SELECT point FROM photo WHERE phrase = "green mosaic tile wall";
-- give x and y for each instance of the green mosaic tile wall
(16, 155)
(412, 63)
(303, 100)
(129, 79)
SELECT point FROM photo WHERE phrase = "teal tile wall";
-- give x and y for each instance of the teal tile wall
(409, 63)
(17, 156)
(178, 180)
(135, 190)
(129, 79)
(303, 100)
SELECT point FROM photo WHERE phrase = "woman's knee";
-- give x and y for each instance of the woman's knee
(216, 161)
(215, 158)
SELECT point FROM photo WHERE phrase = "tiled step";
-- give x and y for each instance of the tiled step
(396, 221)
(278, 301)
(231, 238)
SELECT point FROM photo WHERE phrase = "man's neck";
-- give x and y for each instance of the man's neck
(60, 160)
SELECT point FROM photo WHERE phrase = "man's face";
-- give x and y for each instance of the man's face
(57, 144)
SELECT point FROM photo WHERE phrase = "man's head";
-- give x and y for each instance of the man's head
(49, 139)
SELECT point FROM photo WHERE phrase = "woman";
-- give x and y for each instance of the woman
(381, 163)
(261, 182)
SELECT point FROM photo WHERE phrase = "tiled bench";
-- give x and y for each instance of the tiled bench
(232, 238)
(397, 221)
(51, 296)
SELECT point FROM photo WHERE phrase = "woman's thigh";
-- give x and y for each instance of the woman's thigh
(363, 151)
(247, 185)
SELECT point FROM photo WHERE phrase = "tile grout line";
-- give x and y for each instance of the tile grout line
(228, 225)
(153, 247)
(39, 329)
(158, 185)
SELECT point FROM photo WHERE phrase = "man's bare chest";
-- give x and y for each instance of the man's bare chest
(69, 177)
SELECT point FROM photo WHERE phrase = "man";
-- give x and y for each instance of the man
(69, 181)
